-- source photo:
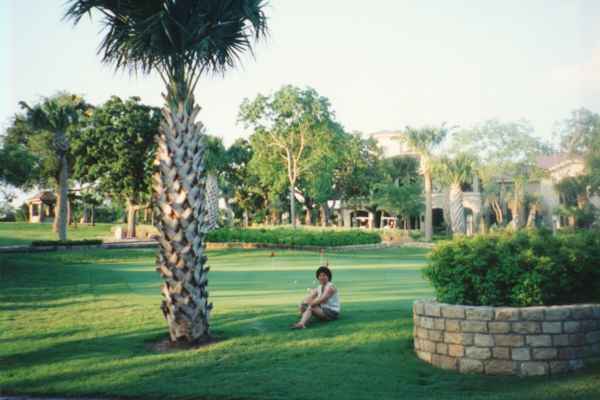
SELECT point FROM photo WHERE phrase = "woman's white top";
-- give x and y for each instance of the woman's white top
(333, 303)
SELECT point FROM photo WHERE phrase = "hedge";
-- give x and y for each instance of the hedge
(293, 237)
(84, 242)
(517, 269)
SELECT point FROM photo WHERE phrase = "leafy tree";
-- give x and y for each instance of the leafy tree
(116, 150)
(580, 135)
(424, 141)
(289, 125)
(17, 165)
(400, 191)
(181, 40)
(359, 170)
(268, 177)
(455, 172)
(323, 162)
(48, 126)
(241, 182)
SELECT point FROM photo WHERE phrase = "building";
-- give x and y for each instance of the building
(41, 206)
(557, 167)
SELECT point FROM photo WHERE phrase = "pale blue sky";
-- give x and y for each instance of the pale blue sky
(383, 64)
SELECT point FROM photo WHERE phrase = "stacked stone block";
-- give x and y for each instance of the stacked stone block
(507, 340)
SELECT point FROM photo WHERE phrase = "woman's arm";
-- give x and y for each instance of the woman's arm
(325, 296)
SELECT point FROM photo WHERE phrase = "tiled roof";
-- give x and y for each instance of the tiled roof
(550, 161)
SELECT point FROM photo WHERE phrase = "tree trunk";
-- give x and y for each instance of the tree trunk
(308, 216)
(246, 222)
(212, 201)
(428, 207)
(531, 217)
(62, 199)
(292, 206)
(457, 211)
(180, 201)
(69, 213)
(93, 215)
(131, 213)
(517, 211)
(324, 214)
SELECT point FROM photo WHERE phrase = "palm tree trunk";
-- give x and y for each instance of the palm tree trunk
(212, 201)
(180, 201)
(531, 217)
(62, 199)
(457, 211)
(428, 207)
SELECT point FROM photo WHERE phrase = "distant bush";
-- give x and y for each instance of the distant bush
(293, 237)
(517, 269)
(84, 242)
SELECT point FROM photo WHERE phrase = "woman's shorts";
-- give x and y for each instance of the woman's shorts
(329, 313)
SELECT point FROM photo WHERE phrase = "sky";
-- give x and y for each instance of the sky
(392, 64)
(383, 64)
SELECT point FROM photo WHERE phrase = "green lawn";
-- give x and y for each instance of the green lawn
(79, 324)
(12, 233)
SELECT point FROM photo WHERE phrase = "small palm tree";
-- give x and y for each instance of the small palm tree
(216, 162)
(455, 172)
(181, 40)
(423, 141)
(57, 115)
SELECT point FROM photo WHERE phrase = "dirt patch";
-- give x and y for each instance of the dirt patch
(165, 345)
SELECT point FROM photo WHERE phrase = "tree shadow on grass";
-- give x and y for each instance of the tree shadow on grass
(366, 354)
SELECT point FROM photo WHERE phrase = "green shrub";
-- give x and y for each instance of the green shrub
(84, 242)
(517, 269)
(293, 237)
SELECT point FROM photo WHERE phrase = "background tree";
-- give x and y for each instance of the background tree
(216, 162)
(116, 149)
(455, 172)
(181, 40)
(424, 141)
(506, 154)
(51, 123)
(17, 165)
(400, 192)
(242, 182)
(323, 162)
(580, 136)
(268, 175)
(289, 123)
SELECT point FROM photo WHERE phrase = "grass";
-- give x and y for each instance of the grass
(80, 324)
(15, 233)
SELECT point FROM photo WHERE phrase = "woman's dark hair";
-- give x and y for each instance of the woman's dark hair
(324, 270)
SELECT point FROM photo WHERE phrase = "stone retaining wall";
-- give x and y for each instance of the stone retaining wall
(505, 340)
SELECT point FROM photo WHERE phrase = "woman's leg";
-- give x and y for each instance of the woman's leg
(308, 313)
(317, 311)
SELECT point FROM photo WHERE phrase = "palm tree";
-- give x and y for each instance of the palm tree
(455, 172)
(216, 162)
(181, 40)
(423, 141)
(57, 115)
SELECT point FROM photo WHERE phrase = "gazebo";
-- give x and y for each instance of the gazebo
(41, 206)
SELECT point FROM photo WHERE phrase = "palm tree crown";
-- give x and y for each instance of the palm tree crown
(179, 38)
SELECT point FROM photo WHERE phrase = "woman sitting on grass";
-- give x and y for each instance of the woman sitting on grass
(322, 302)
